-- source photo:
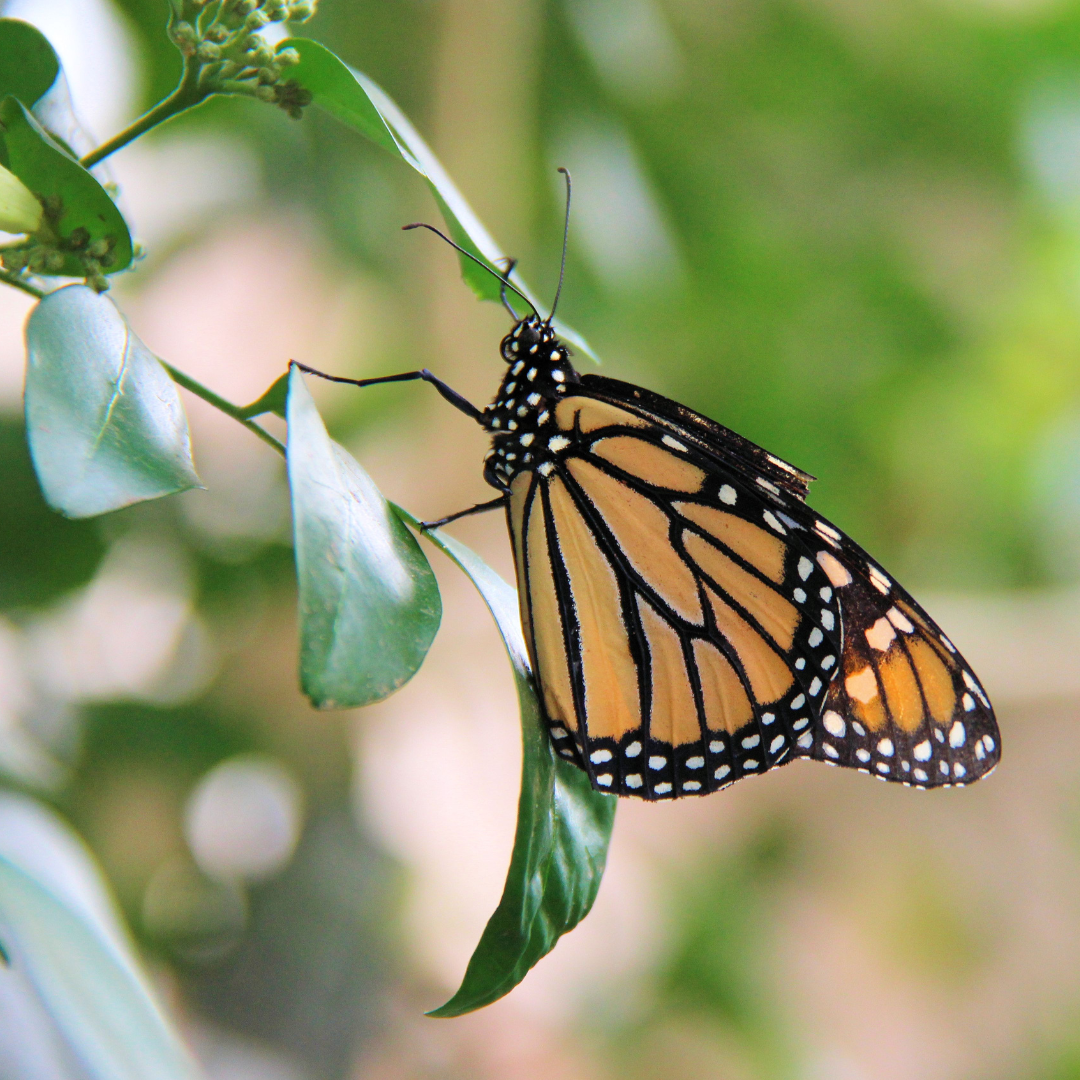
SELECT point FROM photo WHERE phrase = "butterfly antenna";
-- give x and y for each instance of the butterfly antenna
(565, 237)
(505, 284)
(505, 276)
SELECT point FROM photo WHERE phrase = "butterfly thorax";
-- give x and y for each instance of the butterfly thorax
(521, 419)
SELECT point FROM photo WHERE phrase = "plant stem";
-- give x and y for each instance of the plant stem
(227, 407)
(186, 95)
(17, 282)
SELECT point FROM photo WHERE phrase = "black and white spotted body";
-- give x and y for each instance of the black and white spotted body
(521, 418)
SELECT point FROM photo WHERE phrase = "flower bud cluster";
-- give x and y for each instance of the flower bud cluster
(45, 251)
(221, 40)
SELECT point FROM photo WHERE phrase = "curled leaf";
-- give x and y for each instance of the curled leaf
(369, 602)
(563, 826)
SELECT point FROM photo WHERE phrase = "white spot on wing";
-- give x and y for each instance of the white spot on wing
(834, 724)
(881, 635)
(657, 762)
(773, 523)
(834, 569)
(667, 440)
(633, 780)
(633, 749)
(727, 494)
(598, 757)
(879, 580)
(805, 567)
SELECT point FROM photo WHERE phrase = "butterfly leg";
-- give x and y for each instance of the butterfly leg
(479, 508)
(451, 395)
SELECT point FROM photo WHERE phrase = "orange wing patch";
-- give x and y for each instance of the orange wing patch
(592, 415)
(673, 715)
(547, 639)
(769, 676)
(609, 674)
(727, 708)
(650, 463)
(762, 550)
(777, 617)
(642, 532)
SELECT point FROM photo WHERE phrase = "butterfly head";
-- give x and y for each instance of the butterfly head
(526, 338)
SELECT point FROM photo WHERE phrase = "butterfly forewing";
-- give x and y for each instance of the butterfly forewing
(905, 706)
(680, 631)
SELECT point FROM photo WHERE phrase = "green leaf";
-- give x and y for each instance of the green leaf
(83, 217)
(28, 64)
(72, 976)
(20, 212)
(563, 826)
(104, 422)
(357, 101)
(369, 603)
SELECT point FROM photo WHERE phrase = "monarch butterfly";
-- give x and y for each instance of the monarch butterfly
(690, 620)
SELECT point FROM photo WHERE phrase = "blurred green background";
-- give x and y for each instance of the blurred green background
(850, 231)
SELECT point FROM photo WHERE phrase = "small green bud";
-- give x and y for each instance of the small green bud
(183, 32)
(256, 20)
(244, 8)
(54, 261)
(15, 259)
(302, 11)
(266, 93)
(99, 248)
(267, 76)
(287, 57)
(293, 98)
(79, 238)
(276, 10)
(217, 33)
(20, 211)
(208, 51)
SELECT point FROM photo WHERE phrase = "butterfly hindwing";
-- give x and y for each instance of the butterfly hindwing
(681, 633)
